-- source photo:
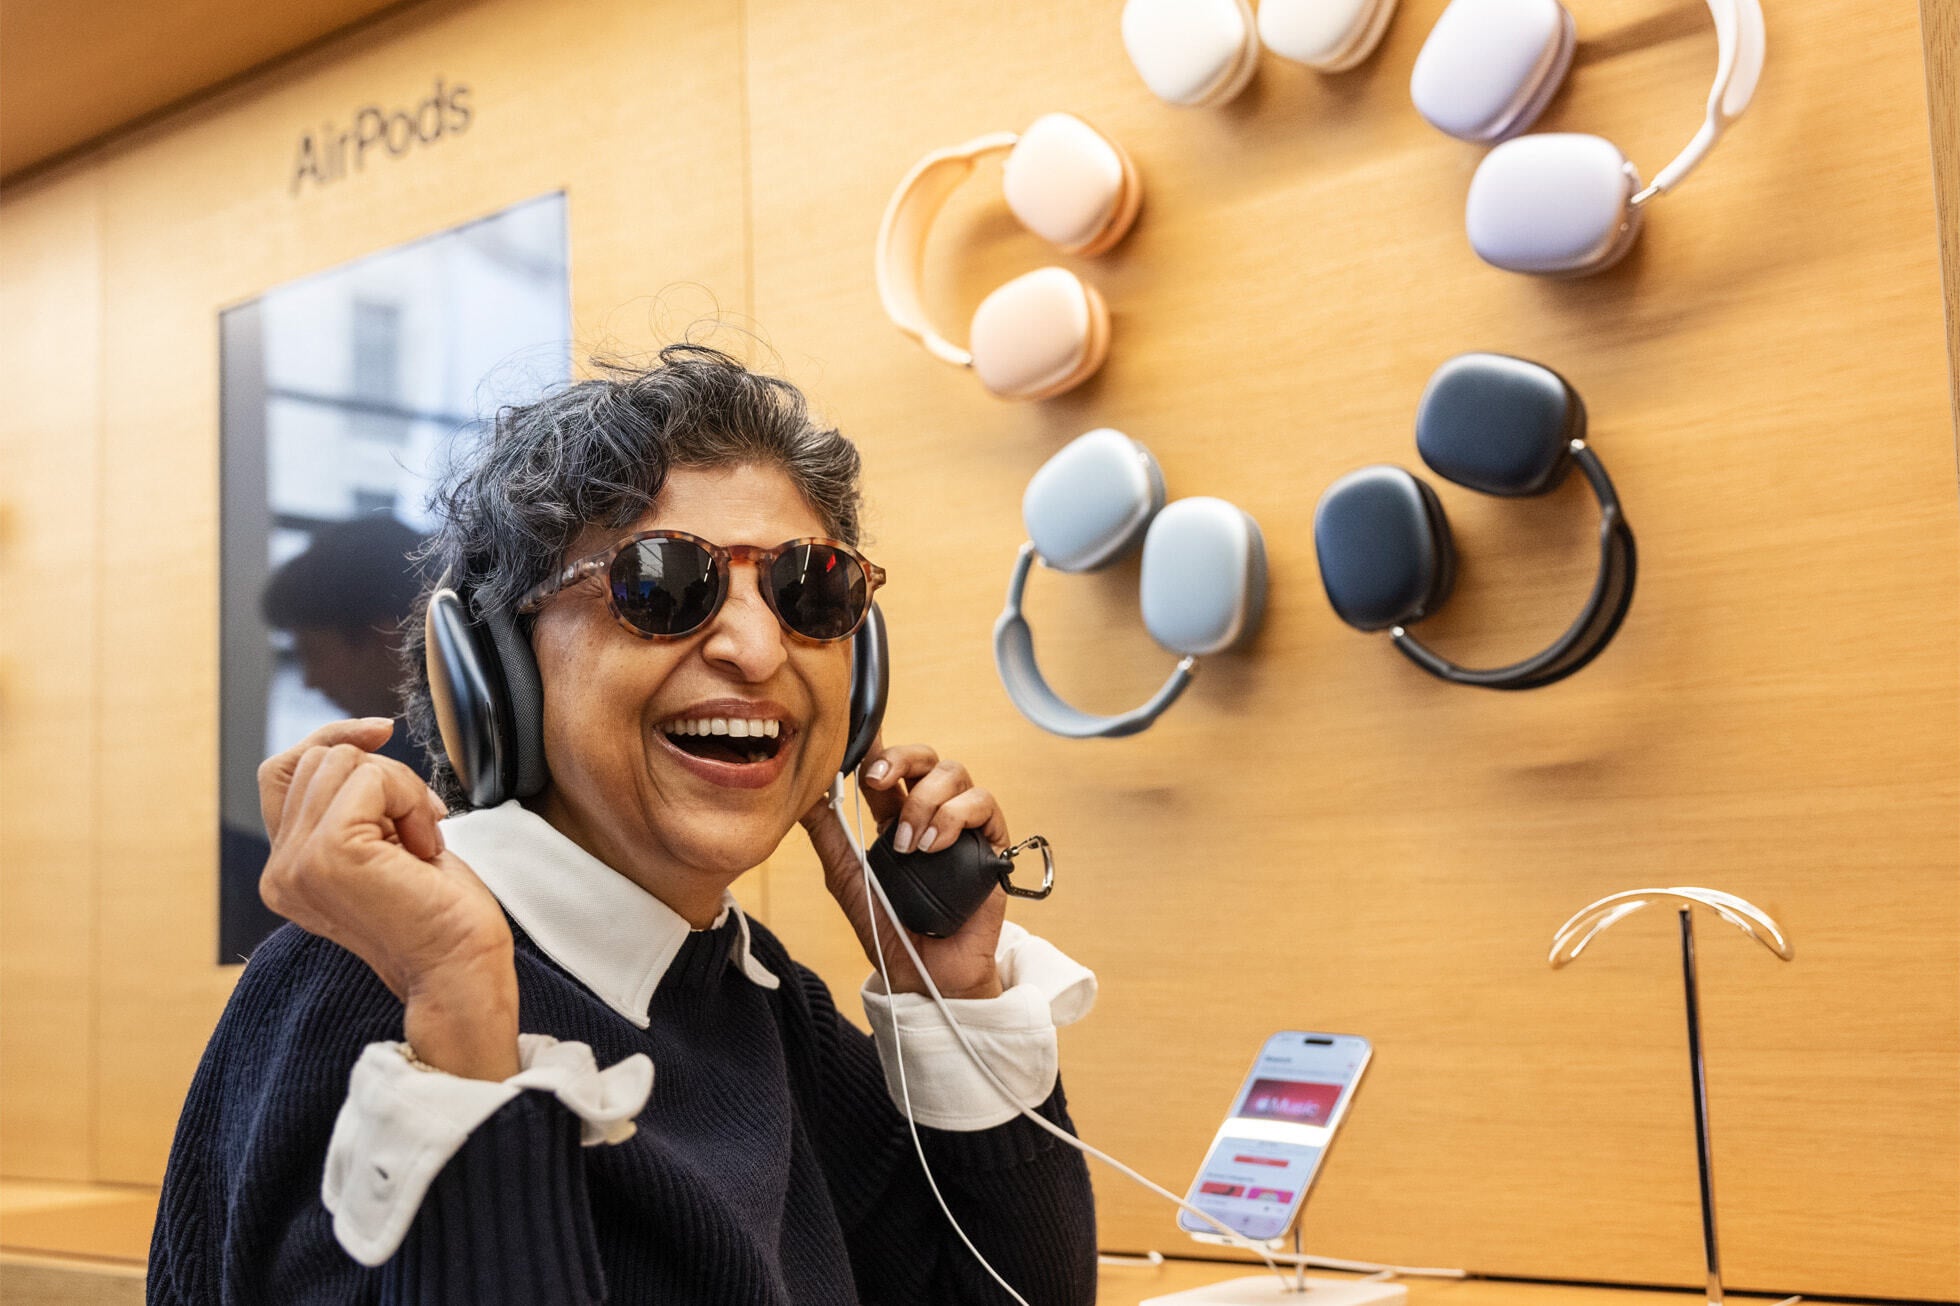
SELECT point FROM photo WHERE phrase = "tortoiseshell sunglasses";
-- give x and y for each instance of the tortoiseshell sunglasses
(669, 584)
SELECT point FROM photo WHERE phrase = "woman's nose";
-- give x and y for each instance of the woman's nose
(745, 636)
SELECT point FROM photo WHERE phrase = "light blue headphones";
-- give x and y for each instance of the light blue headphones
(1203, 587)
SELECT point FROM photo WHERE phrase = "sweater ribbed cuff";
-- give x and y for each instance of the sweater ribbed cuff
(400, 1126)
(507, 1222)
(1005, 1146)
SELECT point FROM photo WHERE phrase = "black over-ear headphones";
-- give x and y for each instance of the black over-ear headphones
(489, 705)
(1499, 425)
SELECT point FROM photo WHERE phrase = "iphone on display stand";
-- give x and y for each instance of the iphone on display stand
(1262, 1162)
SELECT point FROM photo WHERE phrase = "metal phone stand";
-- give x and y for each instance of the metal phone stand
(1575, 934)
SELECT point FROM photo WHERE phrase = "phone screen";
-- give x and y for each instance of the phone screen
(1282, 1121)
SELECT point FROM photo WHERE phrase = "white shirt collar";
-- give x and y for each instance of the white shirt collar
(613, 936)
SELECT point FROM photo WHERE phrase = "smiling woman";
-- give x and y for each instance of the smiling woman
(675, 549)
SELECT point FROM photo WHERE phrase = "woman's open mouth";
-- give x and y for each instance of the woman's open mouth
(741, 752)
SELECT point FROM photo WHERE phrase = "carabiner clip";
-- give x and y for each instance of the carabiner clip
(1047, 868)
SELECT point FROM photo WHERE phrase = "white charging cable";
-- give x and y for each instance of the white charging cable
(854, 835)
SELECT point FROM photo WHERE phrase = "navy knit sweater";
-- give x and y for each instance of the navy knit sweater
(769, 1166)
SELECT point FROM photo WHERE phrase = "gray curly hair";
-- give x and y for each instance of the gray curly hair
(596, 453)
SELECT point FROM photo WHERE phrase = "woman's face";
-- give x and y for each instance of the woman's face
(679, 813)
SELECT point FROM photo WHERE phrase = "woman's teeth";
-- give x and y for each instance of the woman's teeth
(741, 741)
(737, 727)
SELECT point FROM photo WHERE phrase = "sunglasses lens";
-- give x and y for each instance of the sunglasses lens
(665, 587)
(820, 592)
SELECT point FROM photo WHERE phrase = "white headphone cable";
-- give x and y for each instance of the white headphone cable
(854, 835)
(875, 890)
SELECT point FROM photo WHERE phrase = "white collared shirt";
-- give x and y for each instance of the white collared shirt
(617, 940)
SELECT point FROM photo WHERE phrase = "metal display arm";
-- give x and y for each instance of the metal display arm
(1575, 934)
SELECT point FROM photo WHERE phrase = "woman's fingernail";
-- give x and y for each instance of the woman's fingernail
(877, 771)
(926, 839)
(902, 840)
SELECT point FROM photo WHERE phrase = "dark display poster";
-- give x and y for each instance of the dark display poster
(343, 394)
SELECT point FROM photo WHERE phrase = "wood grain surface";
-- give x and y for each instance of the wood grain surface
(1940, 25)
(1318, 836)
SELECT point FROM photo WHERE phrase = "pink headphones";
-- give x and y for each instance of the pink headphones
(1046, 331)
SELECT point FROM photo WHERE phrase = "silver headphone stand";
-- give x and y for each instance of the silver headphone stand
(1593, 919)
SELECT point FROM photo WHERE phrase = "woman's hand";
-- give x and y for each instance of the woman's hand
(357, 858)
(931, 801)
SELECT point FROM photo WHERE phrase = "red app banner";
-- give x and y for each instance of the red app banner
(1299, 1104)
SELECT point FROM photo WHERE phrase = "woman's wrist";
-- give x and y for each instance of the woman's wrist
(987, 986)
(465, 1023)
(990, 987)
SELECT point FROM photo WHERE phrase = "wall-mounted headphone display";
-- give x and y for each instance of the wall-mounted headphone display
(1497, 425)
(1560, 203)
(1203, 586)
(1204, 52)
(1046, 331)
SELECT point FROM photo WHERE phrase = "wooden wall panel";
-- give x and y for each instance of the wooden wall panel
(1939, 22)
(70, 72)
(50, 328)
(1319, 836)
(627, 110)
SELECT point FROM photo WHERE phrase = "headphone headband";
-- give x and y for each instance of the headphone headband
(1021, 674)
(908, 222)
(1738, 67)
(1589, 634)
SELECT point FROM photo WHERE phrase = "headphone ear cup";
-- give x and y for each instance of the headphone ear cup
(1092, 502)
(467, 691)
(1194, 52)
(1203, 588)
(525, 697)
(1043, 333)
(1490, 67)
(1384, 548)
(1071, 185)
(1330, 35)
(1499, 425)
(870, 687)
(1557, 203)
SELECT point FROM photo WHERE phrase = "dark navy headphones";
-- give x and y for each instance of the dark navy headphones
(489, 705)
(1491, 423)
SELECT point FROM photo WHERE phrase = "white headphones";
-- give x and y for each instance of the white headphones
(1203, 584)
(1558, 204)
(1046, 331)
(1203, 52)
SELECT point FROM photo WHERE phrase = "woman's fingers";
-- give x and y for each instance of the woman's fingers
(923, 800)
(882, 777)
(928, 798)
(307, 806)
(412, 806)
(971, 809)
(277, 772)
(887, 768)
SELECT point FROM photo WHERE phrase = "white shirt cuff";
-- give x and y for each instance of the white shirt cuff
(1043, 989)
(400, 1125)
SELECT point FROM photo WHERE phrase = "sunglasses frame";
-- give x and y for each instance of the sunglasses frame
(723, 559)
